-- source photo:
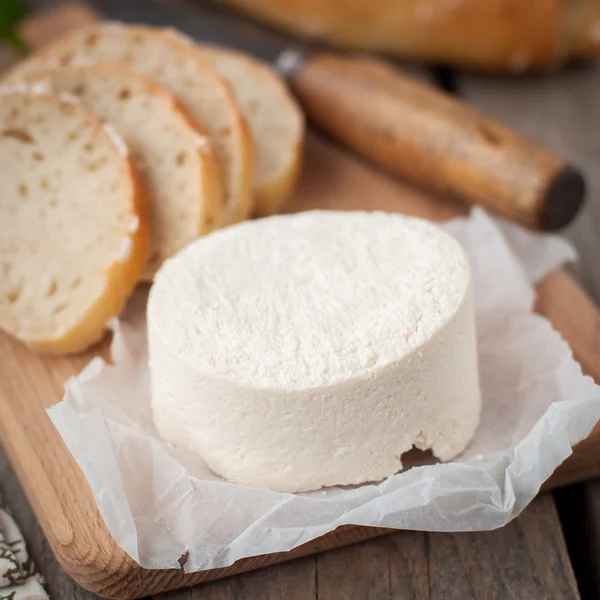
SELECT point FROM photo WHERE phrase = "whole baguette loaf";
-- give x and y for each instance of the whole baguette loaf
(501, 35)
(75, 233)
(275, 119)
(182, 179)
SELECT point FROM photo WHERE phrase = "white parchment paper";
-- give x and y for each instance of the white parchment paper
(159, 502)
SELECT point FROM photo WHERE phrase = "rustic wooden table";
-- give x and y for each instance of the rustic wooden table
(553, 549)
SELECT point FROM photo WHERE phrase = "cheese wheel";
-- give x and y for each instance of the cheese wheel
(311, 350)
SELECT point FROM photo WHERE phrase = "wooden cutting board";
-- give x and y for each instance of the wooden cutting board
(61, 497)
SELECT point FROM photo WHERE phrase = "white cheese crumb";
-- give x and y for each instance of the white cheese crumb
(125, 250)
(479, 457)
(134, 225)
(116, 139)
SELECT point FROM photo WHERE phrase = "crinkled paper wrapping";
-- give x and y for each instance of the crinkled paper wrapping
(159, 503)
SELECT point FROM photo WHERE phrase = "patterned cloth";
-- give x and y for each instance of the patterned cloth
(18, 580)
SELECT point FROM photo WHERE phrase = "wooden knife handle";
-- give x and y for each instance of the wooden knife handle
(435, 140)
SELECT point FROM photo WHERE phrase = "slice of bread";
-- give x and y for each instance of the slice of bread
(275, 119)
(176, 63)
(74, 232)
(182, 180)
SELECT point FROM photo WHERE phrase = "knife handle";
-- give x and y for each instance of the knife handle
(432, 139)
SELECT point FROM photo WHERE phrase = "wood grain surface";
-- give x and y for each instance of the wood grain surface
(562, 111)
(422, 565)
(56, 580)
(580, 514)
(525, 560)
(56, 488)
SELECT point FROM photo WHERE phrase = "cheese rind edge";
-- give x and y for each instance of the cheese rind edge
(334, 428)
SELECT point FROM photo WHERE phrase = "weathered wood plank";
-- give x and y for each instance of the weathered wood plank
(534, 563)
(409, 565)
(561, 110)
(527, 559)
(289, 581)
(579, 508)
(360, 572)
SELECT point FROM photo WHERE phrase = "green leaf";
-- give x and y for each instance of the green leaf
(11, 12)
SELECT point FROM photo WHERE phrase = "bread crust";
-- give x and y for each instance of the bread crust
(121, 279)
(244, 197)
(210, 190)
(495, 35)
(239, 203)
(270, 193)
(121, 276)
(240, 190)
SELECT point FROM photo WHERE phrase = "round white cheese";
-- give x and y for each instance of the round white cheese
(312, 350)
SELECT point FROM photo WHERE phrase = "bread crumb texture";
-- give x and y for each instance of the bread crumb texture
(67, 199)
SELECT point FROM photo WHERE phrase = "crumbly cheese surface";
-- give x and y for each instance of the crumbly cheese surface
(309, 350)
(294, 302)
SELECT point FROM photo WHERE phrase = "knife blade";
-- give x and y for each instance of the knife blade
(403, 125)
(203, 22)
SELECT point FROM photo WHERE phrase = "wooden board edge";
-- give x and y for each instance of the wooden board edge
(583, 336)
(160, 581)
(132, 581)
(112, 573)
(107, 569)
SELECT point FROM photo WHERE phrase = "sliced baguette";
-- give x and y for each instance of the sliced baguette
(75, 232)
(169, 151)
(276, 121)
(177, 64)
